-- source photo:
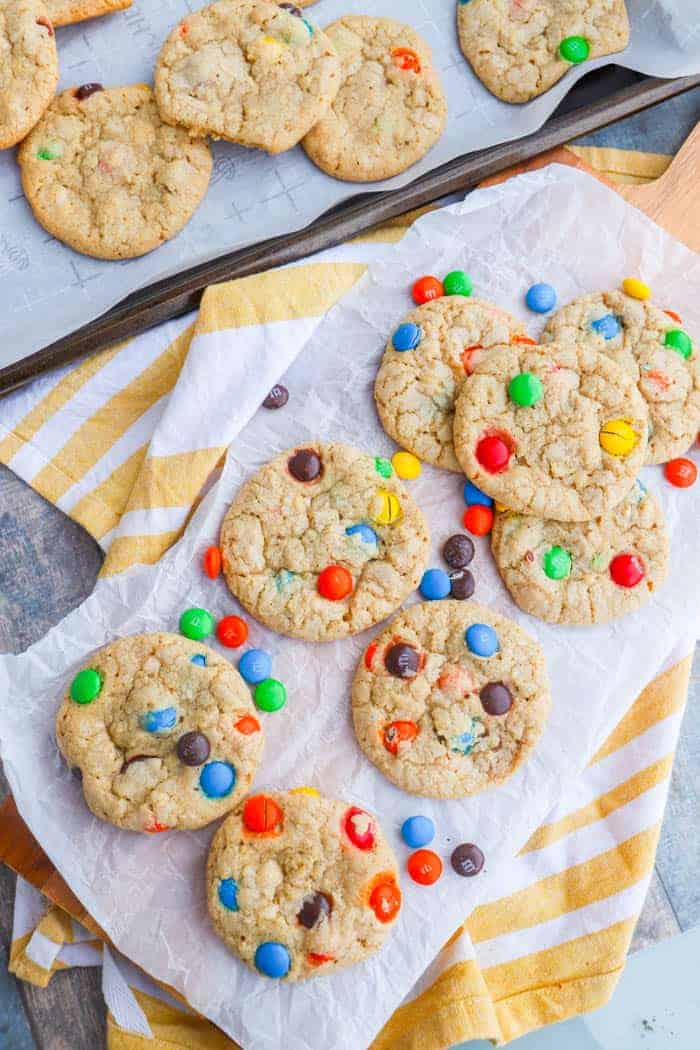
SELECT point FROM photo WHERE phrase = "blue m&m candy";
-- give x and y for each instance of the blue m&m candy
(481, 639)
(541, 298)
(474, 495)
(199, 659)
(406, 337)
(417, 831)
(435, 585)
(158, 721)
(217, 779)
(228, 894)
(255, 666)
(272, 959)
(366, 534)
(607, 326)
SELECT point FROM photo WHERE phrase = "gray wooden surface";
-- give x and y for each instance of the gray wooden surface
(48, 565)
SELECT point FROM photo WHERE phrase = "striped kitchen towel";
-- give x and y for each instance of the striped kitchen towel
(110, 443)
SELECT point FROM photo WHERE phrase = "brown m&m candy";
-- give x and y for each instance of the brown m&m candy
(85, 90)
(313, 909)
(496, 699)
(402, 661)
(458, 551)
(467, 859)
(277, 398)
(305, 465)
(193, 749)
(461, 584)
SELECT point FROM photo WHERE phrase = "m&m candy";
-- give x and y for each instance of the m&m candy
(493, 454)
(315, 907)
(262, 815)
(426, 289)
(402, 660)
(458, 551)
(627, 570)
(228, 894)
(193, 748)
(461, 584)
(406, 337)
(196, 624)
(474, 495)
(467, 859)
(574, 49)
(478, 519)
(608, 326)
(417, 831)
(435, 585)
(397, 733)
(635, 288)
(247, 725)
(199, 659)
(86, 686)
(232, 631)
(383, 467)
(618, 437)
(496, 698)
(557, 563)
(359, 828)
(217, 779)
(272, 959)
(270, 695)
(457, 282)
(406, 465)
(334, 583)
(387, 509)
(364, 533)
(312, 792)
(525, 389)
(212, 562)
(158, 721)
(255, 666)
(277, 398)
(681, 472)
(424, 867)
(677, 340)
(541, 298)
(481, 639)
(385, 900)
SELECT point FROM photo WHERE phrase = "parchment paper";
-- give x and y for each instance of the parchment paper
(147, 892)
(48, 290)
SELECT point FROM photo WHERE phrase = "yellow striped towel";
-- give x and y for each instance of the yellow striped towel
(98, 440)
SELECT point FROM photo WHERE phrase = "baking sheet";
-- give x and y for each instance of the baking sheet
(147, 892)
(48, 290)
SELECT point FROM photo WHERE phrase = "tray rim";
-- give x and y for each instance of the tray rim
(180, 293)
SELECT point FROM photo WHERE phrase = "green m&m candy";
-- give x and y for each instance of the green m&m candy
(525, 389)
(677, 340)
(196, 624)
(383, 467)
(574, 49)
(270, 695)
(86, 686)
(557, 563)
(457, 282)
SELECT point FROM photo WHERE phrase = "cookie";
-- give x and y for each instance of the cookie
(162, 731)
(416, 387)
(390, 109)
(450, 699)
(652, 347)
(104, 174)
(586, 573)
(28, 67)
(249, 71)
(520, 48)
(558, 431)
(300, 885)
(66, 12)
(323, 542)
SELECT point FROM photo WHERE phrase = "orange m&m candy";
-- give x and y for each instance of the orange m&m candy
(398, 733)
(385, 900)
(525, 340)
(232, 631)
(681, 472)
(247, 725)
(406, 58)
(334, 583)
(424, 867)
(426, 289)
(478, 519)
(212, 562)
(262, 814)
(155, 828)
(318, 958)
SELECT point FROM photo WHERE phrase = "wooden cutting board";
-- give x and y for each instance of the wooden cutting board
(673, 201)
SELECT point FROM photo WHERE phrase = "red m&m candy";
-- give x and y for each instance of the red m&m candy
(681, 472)
(426, 289)
(493, 454)
(478, 519)
(232, 631)
(262, 814)
(627, 570)
(335, 583)
(212, 562)
(424, 867)
(359, 828)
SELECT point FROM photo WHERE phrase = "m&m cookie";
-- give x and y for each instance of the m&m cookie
(163, 732)
(584, 573)
(558, 431)
(299, 885)
(450, 699)
(323, 542)
(654, 348)
(419, 378)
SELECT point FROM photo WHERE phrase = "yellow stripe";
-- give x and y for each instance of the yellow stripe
(555, 895)
(26, 428)
(101, 509)
(666, 694)
(98, 433)
(173, 481)
(618, 796)
(132, 550)
(624, 165)
(300, 291)
(57, 925)
(172, 1029)
(556, 1002)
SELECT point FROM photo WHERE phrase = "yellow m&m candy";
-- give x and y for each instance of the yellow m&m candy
(618, 437)
(273, 46)
(387, 509)
(406, 465)
(305, 791)
(635, 288)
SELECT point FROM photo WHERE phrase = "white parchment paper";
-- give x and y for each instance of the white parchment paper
(147, 892)
(48, 290)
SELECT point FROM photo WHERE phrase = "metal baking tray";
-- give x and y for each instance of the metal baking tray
(602, 97)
